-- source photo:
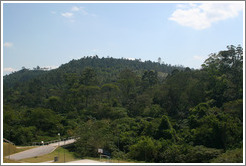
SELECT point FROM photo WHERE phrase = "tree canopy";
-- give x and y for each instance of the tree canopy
(144, 111)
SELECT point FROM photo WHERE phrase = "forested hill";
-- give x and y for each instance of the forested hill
(142, 111)
(106, 68)
(107, 64)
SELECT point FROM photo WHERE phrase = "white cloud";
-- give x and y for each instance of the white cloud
(82, 9)
(9, 69)
(201, 16)
(8, 44)
(75, 9)
(67, 15)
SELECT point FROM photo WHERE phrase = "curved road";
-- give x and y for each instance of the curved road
(39, 151)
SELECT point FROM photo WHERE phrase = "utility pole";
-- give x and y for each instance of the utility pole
(64, 150)
(9, 142)
(9, 151)
(58, 146)
(118, 145)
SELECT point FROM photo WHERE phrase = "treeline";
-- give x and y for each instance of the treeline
(135, 110)
(106, 68)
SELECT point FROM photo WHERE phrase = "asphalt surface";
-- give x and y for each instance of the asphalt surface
(39, 151)
(78, 161)
(62, 143)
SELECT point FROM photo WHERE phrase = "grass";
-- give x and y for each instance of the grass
(9, 161)
(8, 149)
(69, 156)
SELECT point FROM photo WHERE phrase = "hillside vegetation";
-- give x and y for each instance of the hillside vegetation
(135, 110)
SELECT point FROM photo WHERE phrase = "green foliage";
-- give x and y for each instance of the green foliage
(188, 154)
(165, 130)
(93, 135)
(213, 128)
(25, 127)
(54, 103)
(149, 78)
(140, 110)
(43, 119)
(146, 149)
(225, 71)
(234, 108)
(88, 77)
(24, 135)
(153, 110)
(230, 156)
(201, 154)
(174, 153)
(111, 93)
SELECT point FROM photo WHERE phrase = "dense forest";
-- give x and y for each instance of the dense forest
(143, 111)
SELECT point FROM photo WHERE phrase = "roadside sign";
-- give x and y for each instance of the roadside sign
(100, 151)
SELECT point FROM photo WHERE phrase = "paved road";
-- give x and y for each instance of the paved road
(78, 161)
(62, 143)
(39, 151)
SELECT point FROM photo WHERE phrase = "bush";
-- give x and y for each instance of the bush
(188, 154)
(230, 156)
(146, 149)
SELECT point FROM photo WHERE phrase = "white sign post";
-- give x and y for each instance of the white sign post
(100, 151)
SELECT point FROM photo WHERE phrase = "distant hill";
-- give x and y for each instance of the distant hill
(106, 69)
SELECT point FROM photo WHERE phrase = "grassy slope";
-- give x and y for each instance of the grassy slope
(8, 149)
(69, 156)
(11, 149)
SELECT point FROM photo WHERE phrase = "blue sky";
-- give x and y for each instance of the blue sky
(51, 34)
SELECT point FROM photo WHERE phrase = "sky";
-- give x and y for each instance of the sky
(51, 34)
